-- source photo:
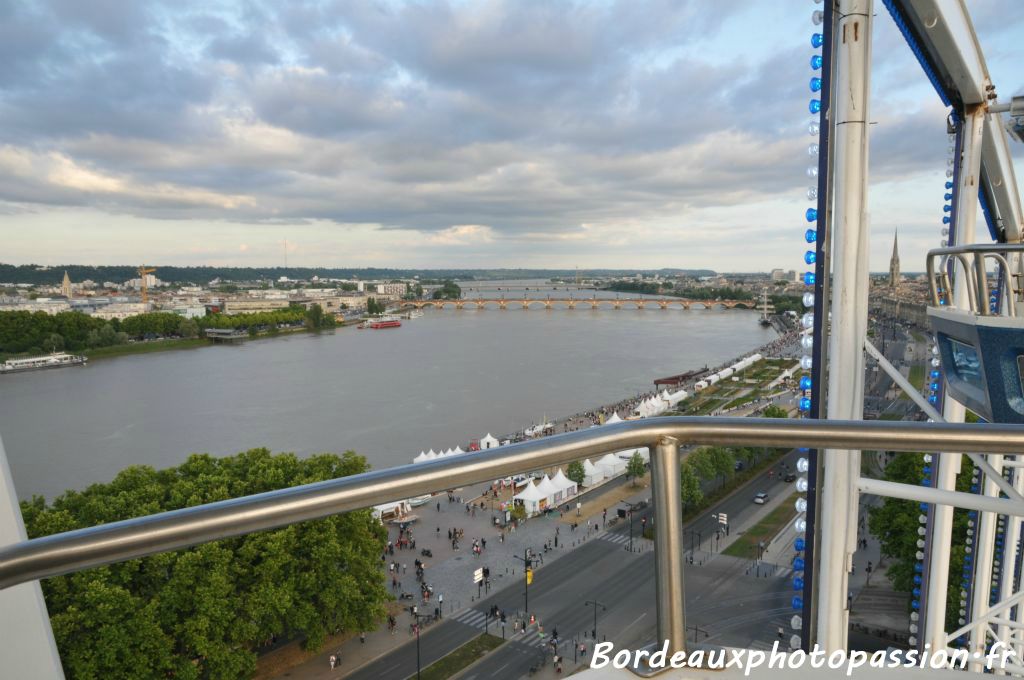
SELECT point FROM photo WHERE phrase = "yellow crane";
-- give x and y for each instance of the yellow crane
(143, 271)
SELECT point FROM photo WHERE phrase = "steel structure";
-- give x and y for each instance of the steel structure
(941, 35)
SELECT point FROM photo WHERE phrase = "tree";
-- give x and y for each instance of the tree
(188, 328)
(575, 472)
(314, 317)
(202, 612)
(54, 342)
(774, 411)
(635, 468)
(373, 307)
(449, 290)
(689, 485)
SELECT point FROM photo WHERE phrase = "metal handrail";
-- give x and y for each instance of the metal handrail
(134, 538)
(973, 259)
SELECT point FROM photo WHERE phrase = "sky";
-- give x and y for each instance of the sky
(518, 133)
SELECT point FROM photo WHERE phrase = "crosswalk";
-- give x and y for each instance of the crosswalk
(620, 539)
(531, 638)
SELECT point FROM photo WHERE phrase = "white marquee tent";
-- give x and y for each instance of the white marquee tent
(591, 473)
(611, 465)
(614, 418)
(488, 442)
(531, 499)
(568, 487)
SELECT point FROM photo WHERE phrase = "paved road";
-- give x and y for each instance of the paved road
(725, 599)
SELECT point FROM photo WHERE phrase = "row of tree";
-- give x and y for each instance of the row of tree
(449, 290)
(668, 288)
(35, 332)
(204, 612)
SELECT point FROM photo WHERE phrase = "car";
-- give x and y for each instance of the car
(761, 498)
(790, 477)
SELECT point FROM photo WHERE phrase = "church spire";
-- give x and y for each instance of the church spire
(894, 262)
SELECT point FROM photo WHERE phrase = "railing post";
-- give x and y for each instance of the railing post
(668, 543)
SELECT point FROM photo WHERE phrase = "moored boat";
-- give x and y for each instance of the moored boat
(55, 360)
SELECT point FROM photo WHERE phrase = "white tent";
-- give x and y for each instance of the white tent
(614, 418)
(677, 397)
(591, 473)
(532, 499)
(552, 492)
(420, 458)
(568, 487)
(457, 451)
(488, 442)
(611, 465)
(700, 385)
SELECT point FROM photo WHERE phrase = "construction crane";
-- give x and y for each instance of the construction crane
(143, 271)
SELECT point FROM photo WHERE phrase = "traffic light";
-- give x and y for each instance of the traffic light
(529, 576)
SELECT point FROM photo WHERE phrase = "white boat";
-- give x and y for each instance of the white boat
(419, 500)
(55, 360)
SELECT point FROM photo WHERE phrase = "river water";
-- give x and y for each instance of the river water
(436, 382)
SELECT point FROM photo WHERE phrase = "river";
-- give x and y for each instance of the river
(436, 382)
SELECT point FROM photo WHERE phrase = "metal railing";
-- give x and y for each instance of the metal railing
(973, 260)
(134, 538)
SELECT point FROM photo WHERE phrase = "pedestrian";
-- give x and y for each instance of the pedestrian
(334, 661)
(439, 508)
(403, 569)
(362, 637)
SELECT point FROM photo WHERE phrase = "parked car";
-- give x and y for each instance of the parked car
(761, 498)
(790, 477)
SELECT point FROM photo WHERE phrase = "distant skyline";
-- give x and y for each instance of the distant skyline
(492, 134)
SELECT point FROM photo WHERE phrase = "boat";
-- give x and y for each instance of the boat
(417, 501)
(55, 360)
(381, 322)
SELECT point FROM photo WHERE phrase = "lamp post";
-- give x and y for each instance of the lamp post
(527, 564)
(416, 617)
(595, 604)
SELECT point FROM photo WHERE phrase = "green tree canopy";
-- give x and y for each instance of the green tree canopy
(449, 290)
(774, 411)
(635, 468)
(689, 486)
(575, 472)
(204, 611)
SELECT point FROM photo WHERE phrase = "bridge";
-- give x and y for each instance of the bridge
(572, 303)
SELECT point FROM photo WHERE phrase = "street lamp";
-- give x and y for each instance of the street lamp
(416, 617)
(527, 565)
(595, 604)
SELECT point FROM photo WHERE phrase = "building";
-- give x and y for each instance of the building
(894, 263)
(395, 289)
(250, 306)
(121, 310)
(65, 286)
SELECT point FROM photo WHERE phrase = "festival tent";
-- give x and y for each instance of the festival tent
(614, 418)
(488, 442)
(531, 499)
(677, 397)
(611, 465)
(591, 473)
(567, 486)
(700, 385)
(457, 451)
(420, 458)
(552, 492)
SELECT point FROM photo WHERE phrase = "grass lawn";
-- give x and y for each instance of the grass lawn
(890, 416)
(765, 530)
(916, 376)
(451, 664)
(144, 347)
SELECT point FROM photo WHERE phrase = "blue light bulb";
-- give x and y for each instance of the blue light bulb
(817, 40)
(809, 278)
(798, 583)
(811, 215)
(814, 106)
(810, 235)
(917, 580)
(935, 374)
(948, 197)
(915, 604)
(805, 384)
(947, 208)
(916, 592)
(949, 185)
(810, 256)
(918, 568)
(935, 386)
(933, 399)
(798, 603)
(799, 543)
(945, 219)
(816, 62)
(798, 564)
(815, 84)
(805, 403)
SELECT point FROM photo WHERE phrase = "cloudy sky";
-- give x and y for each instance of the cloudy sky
(663, 133)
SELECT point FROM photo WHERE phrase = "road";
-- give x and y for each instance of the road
(725, 599)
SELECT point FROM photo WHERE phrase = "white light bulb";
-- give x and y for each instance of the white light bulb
(914, 616)
(922, 518)
(949, 172)
(800, 525)
(817, 16)
(912, 640)
(812, 150)
(920, 543)
(936, 363)
(794, 642)
(812, 171)
(796, 621)
(813, 128)
(945, 231)
(812, 194)
(927, 457)
(808, 299)
(919, 555)
(802, 465)
(801, 484)
(921, 531)
(806, 362)
(807, 341)
(913, 628)
(807, 320)
(801, 505)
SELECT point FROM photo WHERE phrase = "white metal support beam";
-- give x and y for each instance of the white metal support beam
(1001, 180)
(1004, 631)
(850, 96)
(26, 639)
